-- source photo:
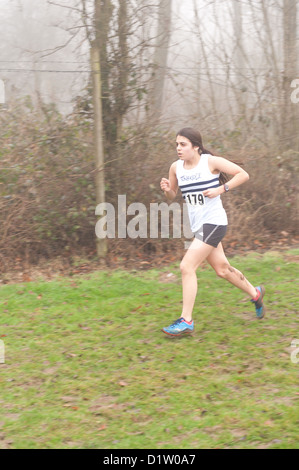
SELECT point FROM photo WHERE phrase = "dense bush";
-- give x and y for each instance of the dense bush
(47, 196)
(46, 182)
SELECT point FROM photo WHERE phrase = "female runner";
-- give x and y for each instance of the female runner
(198, 174)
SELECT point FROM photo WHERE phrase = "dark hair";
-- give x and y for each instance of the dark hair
(196, 140)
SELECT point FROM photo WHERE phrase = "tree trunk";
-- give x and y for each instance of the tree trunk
(98, 137)
(239, 59)
(160, 58)
(121, 102)
(274, 62)
(123, 64)
(290, 111)
(206, 67)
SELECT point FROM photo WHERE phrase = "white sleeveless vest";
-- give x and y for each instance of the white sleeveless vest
(201, 209)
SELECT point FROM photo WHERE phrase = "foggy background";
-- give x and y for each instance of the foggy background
(228, 68)
(220, 54)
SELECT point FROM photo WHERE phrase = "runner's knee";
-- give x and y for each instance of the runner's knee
(186, 268)
(223, 270)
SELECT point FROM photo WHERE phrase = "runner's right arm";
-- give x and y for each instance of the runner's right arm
(170, 186)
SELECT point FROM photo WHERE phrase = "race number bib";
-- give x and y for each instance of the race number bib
(195, 199)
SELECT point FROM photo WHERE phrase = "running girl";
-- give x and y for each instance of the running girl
(199, 175)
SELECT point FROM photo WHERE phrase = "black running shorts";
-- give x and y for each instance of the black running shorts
(211, 234)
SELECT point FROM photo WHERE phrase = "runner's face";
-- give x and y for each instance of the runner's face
(184, 148)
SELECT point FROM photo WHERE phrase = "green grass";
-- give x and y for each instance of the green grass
(86, 365)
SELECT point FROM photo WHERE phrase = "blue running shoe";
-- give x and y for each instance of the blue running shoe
(259, 306)
(179, 327)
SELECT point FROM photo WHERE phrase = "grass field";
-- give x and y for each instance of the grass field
(87, 366)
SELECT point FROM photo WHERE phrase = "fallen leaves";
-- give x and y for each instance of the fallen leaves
(68, 354)
(86, 328)
(102, 428)
(122, 383)
(136, 308)
(70, 402)
(26, 277)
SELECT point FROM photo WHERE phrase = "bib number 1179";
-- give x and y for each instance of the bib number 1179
(195, 199)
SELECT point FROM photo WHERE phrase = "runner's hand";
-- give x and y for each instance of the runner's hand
(214, 192)
(165, 185)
